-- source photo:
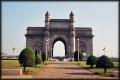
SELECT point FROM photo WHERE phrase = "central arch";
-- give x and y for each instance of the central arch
(63, 41)
(59, 49)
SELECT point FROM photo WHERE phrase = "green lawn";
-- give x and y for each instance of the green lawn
(116, 64)
(10, 64)
(99, 71)
(82, 64)
(14, 64)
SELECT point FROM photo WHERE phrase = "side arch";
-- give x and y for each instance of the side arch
(83, 46)
(37, 46)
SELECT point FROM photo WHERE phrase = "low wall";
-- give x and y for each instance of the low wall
(11, 72)
(115, 73)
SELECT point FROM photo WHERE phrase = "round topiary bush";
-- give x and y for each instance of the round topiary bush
(104, 62)
(38, 59)
(91, 60)
(27, 58)
(76, 56)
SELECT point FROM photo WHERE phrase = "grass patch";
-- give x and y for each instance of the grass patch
(108, 74)
(82, 64)
(35, 70)
(47, 62)
(98, 71)
(10, 64)
(116, 64)
(14, 64)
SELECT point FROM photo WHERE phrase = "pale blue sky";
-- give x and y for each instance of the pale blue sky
(101, 16)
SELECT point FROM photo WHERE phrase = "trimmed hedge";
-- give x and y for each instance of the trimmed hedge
(76, 56)
(27, 58)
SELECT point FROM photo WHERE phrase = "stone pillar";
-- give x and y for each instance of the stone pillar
(47, 34)
(72, 44)
(51, 50)
(72, 35)
(46, 45)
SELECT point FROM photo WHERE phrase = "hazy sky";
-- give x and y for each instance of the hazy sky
(101, 16)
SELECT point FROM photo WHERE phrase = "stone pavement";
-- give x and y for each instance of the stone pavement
(66, 70)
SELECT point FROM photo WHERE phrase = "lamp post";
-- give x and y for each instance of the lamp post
(46, 50)
(51, 53)
(78, 51)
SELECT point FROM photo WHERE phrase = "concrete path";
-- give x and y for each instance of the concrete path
(66, 70)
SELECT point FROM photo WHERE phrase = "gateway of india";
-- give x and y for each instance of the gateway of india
(42, 39)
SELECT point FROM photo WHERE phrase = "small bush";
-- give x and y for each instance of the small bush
(38, 59)
(76, 56)
(91, 60)
(44, 57)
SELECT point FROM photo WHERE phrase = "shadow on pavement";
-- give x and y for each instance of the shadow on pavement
(78, 73)
(75, 68)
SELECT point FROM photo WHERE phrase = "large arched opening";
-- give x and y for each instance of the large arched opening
(59, 48)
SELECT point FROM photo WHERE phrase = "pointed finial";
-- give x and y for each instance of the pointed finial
(71, 14)
(47, 14)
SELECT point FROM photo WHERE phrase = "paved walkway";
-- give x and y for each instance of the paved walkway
(65, 70)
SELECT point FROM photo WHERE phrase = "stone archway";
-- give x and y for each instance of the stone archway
(63, 30)
(63, 41)
(37, 47)
(82, 46)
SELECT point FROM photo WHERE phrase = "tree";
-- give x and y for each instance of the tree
(104, 62)
(38, 59)
(27, 58)
(91, 60)
(76, 56)
(44, 57)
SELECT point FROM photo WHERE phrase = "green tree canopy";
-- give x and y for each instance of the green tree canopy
(91, 60)
(76, 56)
(38, 58)
(27, 58)
(104, 62)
